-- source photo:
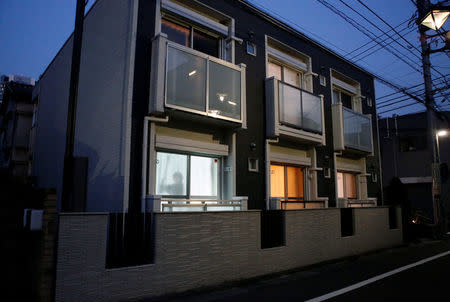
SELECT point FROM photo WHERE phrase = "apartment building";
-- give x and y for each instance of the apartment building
(202, 115)
(209, 101)
(16, 111)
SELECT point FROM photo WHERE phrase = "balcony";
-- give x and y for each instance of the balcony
(293, 112)
(156, 203)
(352, 131)
(190, 81)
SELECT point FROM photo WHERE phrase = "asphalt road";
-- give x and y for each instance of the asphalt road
(426, 282)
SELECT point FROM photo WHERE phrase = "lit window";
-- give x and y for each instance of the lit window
(187, 176)
(287, 182)
(323, 80)
(284, 74)
(346, 185)
(189, 36)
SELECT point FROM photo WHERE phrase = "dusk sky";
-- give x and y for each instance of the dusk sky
(33, 32)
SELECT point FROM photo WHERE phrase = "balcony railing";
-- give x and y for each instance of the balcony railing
(191, 205)
(357, 130)
(198, 83)
(294, 203)
(299, 108)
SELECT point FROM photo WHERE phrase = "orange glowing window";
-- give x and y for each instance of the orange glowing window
(346, 185)
(286, 181)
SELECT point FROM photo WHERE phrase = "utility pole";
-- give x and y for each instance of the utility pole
(423, 7)
(68, 170)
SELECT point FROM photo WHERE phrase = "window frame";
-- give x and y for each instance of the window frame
(344, 181)
(188, 195)
(283, 65)
(340, 91)
(285, 165)
(192, 26)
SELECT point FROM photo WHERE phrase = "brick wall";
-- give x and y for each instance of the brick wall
(205, 249)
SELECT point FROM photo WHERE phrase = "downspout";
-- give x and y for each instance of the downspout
(267, 162)
(148, 131)
(379, 164)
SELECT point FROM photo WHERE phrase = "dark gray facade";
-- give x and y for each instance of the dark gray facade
(117, 88)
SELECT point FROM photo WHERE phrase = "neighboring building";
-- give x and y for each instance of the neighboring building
(206, 105)
(407, 154)
(264, 112)
(16, 111)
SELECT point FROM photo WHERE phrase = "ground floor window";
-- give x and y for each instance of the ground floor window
(187, 176)
(346, 185)
(287, 182)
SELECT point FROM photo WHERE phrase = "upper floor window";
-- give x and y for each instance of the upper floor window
(284, 73)
(191, 37)
(346, 91)
(340, 96)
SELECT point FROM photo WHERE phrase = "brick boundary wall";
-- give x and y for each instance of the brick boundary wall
(206, 249)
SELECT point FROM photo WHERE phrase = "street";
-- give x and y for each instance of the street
(410, 278)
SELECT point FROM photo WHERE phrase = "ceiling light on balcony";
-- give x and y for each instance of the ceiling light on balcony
(221, 96)
(192, 73)
(232, 103)
(435, 18)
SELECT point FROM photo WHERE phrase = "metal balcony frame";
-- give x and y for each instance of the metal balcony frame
(301, 104)
(208, 58)
(369, 117)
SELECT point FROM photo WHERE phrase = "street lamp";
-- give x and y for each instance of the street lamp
(435, 18)
(439, 133)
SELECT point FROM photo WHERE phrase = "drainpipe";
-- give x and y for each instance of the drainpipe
(379, 163)
(267, 162)
(148, 121)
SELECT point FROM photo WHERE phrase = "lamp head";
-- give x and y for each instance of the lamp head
(435, 18)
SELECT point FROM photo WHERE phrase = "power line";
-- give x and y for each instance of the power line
(399, 108)
(378, 49)
(371, 41)
(421, 90)
(401, 37)
(384, 32)
(365, 31)
(408, 88)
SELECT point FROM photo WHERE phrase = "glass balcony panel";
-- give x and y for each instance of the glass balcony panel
(366, 128)
(312, 112)
(186, 80)
(357, 130)
(290, 105)
(224, 91)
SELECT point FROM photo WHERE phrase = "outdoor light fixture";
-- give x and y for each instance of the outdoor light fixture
(192, 73)
(221, 96)
(435, 18)
(442, 133)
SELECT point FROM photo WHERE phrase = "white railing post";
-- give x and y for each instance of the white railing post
(244, 202)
